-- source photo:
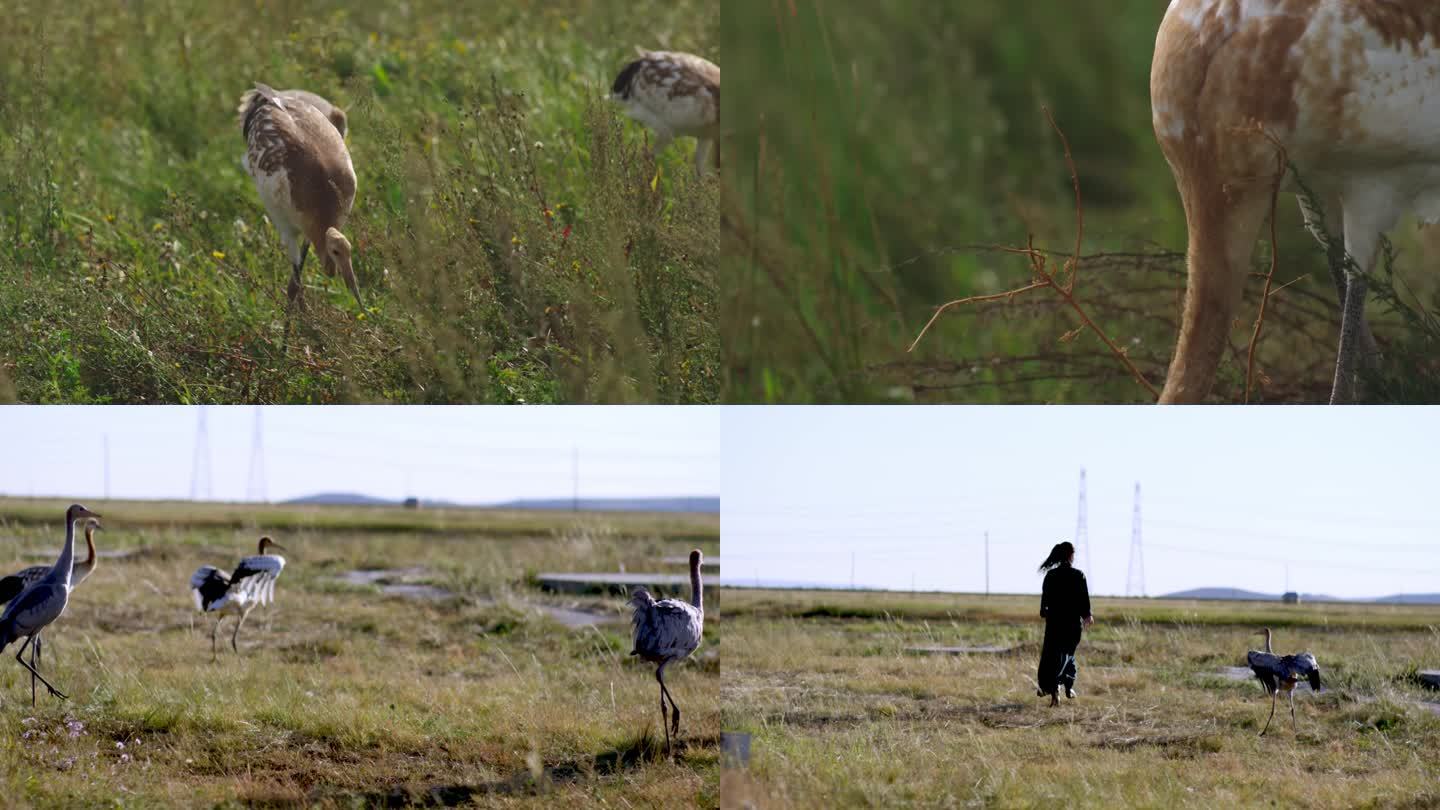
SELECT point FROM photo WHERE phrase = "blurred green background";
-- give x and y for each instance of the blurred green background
(880, 149)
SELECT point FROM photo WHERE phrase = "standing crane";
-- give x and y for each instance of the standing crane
(252, 584)
(13, 585)
(41, 603)
(1346, 91)
(297, 157)
(668, 631)
(1280, 673)
(674, 94)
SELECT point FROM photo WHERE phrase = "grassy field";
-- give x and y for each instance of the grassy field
(843, 715)
(345, 695)
(513, 238)
(886, 153)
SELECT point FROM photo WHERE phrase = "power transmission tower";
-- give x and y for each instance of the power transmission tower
(987, 564)
(200, 468)
(1082, 527)
(255, 489)
(1135, 581)
(107, 466)
(575, 479)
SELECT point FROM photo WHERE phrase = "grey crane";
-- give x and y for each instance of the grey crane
(252, 584)
(1280, 673)
(13, 585)
(42, 602)
(668, 631)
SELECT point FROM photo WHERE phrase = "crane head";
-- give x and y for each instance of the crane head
(695, 557)
(267, 543)
(76, 511)
(92, 524)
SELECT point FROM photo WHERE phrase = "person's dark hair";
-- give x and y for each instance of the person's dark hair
(1059, 555)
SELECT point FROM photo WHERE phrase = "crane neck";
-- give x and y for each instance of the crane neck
(65, 565)
(90, 547)
(1267, 641)
(697, 591)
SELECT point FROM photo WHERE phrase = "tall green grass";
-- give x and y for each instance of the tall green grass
(513, 237)
(883, 150)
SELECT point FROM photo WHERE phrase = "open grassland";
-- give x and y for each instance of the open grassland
(513, 238)
(884, 151)
(843, 715)
(348, 694)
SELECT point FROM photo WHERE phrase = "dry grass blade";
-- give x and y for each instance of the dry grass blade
(1044, 278)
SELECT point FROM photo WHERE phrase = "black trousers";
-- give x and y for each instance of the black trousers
(1057, 656)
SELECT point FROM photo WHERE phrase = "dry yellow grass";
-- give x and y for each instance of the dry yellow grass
(843, 715)
(344, 695)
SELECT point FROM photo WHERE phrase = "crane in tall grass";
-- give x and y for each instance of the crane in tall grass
(1280, 673)
(252, 584)
(668, 631)
(297, 157)
(674, 94)
(42, 602)
(1346, 91)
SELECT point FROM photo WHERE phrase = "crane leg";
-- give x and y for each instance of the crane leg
(19, 656)
(1272, 715)
(1293, 725)
(235, 637)
(214, 656)
(664, 713)
(675, 722)
(34, 664)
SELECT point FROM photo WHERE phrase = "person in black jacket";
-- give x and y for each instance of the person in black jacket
(1065, 606)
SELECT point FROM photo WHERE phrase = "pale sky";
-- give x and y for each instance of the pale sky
(475, 455)
(1345, 496)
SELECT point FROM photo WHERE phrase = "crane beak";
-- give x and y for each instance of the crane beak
(277, 546)
(86, 513)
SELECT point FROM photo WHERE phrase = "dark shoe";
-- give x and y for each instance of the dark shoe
(1070, 692)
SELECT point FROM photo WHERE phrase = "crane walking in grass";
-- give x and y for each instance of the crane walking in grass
(1280, 673)
(252, 584)
(297, 157)
(15, 584)
(668, 631)
(674, 94)
(41, 603)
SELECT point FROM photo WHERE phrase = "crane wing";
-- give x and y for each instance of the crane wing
(11, 586)
(1304, 665)
(256, 576)
(207, 584)
(1267, 668)
(667, 629)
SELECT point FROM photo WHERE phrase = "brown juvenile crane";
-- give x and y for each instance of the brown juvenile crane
(297, 157)
(1349, 92)
(674, 94)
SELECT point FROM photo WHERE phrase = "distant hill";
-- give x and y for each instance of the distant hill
(1240, 593)
(341, 499)
(696, 504)
(704, 504)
